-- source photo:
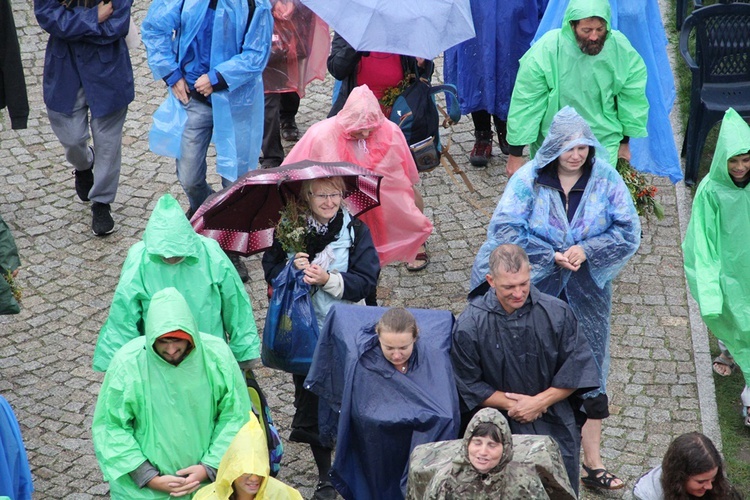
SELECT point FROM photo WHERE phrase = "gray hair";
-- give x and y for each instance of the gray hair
(511, 257)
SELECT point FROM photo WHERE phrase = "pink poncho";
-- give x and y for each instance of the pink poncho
(398, 227)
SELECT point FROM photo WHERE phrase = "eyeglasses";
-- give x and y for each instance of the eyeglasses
(322, 197)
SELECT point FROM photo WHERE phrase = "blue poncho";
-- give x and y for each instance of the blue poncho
(484, 68)
(15, 476)
(606, 225)
(640, 21)
(384, 414)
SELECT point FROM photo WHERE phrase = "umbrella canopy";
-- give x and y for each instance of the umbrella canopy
(242, 217)
(420, 28)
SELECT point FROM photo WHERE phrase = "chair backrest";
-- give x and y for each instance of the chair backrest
(722, 42)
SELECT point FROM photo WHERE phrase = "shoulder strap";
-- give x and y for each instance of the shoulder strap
(451, 100)
(251, 13)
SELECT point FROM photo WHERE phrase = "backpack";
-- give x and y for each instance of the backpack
(263, 412)
(416, 114)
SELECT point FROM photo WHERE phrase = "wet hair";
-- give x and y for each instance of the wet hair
(336, 183)
(551, 167)
(688, 455)
(510, 257)
(574, 23)
(487, 429)
(397, 319)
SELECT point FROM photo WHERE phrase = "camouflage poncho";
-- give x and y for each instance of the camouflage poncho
(510, 479)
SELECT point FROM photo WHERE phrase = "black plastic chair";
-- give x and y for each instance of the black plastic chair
(682, 6)
(720, 73)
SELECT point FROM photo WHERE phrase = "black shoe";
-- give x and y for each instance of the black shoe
(239, 266)
(84, 183)
(482, 150)
(289, 131)
(102, 223)
(502, 131)
(324, 491)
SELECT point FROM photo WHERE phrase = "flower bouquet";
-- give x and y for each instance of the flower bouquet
(643, 193)
(292, 228)
(392, 93)
(14, 288)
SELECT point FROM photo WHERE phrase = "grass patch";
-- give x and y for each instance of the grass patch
(735, 436)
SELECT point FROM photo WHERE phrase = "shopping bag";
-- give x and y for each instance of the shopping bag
(165, 135)
(291, 330)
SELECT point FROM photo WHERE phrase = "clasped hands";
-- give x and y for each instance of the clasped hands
(526, 408)
(202, 85)
(314, 274)
(572, 258)
(186, 482)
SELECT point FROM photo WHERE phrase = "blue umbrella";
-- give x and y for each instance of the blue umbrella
(419, 28)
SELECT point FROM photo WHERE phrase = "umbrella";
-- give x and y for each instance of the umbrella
(242, 217)
(420, 28)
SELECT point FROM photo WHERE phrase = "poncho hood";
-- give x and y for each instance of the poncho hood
(169, 233)
(171, 312)
(582, 9)
(567, 130)
(361, 112)
(248, 454)
(734, 139)
(462, 464)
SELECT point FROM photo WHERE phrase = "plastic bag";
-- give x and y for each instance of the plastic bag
(291, 330)
(165, 135)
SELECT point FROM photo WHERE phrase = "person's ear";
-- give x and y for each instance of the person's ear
(489, 279)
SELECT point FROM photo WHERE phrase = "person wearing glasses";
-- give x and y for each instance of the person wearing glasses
(341, 265)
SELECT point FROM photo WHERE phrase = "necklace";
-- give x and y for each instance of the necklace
(403, 369)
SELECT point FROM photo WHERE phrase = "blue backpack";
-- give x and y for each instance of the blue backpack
(416, 114)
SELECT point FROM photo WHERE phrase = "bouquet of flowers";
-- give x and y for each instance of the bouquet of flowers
(292, 228)
(14, 288)
(391, 94)
(643, 193)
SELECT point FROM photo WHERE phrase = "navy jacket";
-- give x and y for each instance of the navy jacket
(83, 52)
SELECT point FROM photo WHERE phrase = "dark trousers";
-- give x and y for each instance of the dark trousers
(279, 108)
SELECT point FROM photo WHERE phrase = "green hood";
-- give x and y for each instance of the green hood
(168, 232)
(734, 139)
(582, 9)
(169, 312)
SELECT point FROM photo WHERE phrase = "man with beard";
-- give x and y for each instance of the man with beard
(588, 66)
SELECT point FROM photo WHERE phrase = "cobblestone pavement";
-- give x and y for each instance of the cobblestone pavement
(68, 278)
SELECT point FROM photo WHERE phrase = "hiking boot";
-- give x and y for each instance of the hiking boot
(482, 150)
(84, 183)
(502, 131)
(324, 491)
(101, 219)
(289, 131)
(239, 266)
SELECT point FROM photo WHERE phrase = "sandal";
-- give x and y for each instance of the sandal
(600, 478)
(723, 361)
(420, 256)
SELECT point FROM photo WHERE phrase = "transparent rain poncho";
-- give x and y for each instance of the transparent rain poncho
(717, 246)
(605, 224)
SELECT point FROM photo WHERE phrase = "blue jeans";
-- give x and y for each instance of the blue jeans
(191, 167)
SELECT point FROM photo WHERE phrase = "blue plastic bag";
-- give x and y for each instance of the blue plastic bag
(165, 135)
(291, 331)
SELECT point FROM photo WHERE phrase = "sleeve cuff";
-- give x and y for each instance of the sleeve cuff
(143, 474)
(516, 150)
(217, 81)
(173, 77)
(625, 140)
(210, 471)
(335, 285)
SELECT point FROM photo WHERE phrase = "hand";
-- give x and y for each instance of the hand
(316, 275)
(563, 262)
(513, 164)
(420, 62)
(174, 485)
(104, 10)
(203, 85)
(624, 151)
(180, 90)
(196, 474)
(576, 256)
(283, 11)
(527, 408)
(301, 260)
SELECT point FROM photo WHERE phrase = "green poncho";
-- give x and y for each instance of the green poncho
(206, 278)
(608, 89)
(172, 416)
(717, 246)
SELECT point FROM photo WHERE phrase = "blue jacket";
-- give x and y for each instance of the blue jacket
(239, 52)
(83, 52)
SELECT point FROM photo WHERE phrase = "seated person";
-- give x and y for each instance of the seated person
(392, 391)
(692, 468)
(487, 465)
(244, 471)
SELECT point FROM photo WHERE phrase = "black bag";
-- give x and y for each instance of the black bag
(416, 114)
